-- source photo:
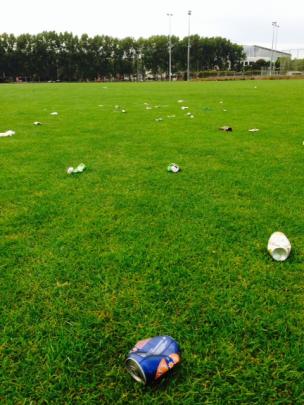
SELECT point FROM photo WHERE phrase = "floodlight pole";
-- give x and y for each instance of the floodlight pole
(274, 26)
(170, 46)
(276, 38)
(189, 46)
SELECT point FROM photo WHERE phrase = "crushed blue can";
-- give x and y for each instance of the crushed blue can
(152, 358)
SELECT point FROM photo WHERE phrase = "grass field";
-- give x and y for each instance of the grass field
(92, 263)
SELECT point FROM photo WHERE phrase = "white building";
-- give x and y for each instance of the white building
(255, 53)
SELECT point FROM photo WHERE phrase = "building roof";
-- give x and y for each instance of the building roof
(267, 50)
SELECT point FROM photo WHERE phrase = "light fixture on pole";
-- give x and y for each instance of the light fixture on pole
(188, 48)
(276, 38)
(170, 46)
(275, 26)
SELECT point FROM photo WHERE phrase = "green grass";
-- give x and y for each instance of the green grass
(90, 264)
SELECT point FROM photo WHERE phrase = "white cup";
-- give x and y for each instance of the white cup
(279, 246)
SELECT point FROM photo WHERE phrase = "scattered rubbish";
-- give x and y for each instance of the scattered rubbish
(79, 169)
(148, 108)
(159, 119)
(54, 113)
(191, 116)
(171, 116)
(9, 132)
(226, 128)
(152, 358)
(253, 130)
(62, 285)
(119, 109)
(255, 87)
(189, 113)
(279, 246)
(184, 107)
(173, 167)
(221, 102)
(224, 110)
(37, 123)
(180, 101)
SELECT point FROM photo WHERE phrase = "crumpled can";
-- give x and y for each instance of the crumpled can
(173, 167)
(152, 358)
(279, 246)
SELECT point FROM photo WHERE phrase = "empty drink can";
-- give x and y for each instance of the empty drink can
(173, 167)
(152, 358)
(279, 246)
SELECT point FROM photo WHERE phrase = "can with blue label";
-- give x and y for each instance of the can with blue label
(152, 358)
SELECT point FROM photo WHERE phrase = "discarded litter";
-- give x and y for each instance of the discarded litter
(253, 130)
(225, 128)
(158, 119)
(79, 169)
(279, 246)
(62, 285)
(191, 116)
(148, 108)
(184, 107)
(119, 109)
(171, 116)
(37, 123)
(221, 102)
(152, 358)
(173, 167)
(180, 101)
(224, 110)
(189, 113)
(9, 132)
(54, 113)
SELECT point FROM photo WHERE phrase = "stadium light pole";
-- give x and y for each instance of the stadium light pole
(170, 46)
(275, 25)
(276, 38)
(276, 41)
(189, 46)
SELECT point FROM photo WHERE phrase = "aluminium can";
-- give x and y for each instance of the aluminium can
(173, 167)
(152, 358)
(279, 246)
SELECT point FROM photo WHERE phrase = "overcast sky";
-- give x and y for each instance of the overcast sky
(243, 22)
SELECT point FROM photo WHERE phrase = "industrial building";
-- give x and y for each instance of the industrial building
(255, 53)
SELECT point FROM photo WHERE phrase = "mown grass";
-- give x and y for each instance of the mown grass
(92, 263)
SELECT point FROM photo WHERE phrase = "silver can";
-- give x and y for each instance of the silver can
(279, 246)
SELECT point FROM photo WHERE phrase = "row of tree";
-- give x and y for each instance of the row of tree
(287, 64)
(64, 56)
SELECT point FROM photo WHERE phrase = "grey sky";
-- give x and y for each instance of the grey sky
(244, 22)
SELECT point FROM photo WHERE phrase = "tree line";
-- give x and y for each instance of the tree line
(67, 57)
